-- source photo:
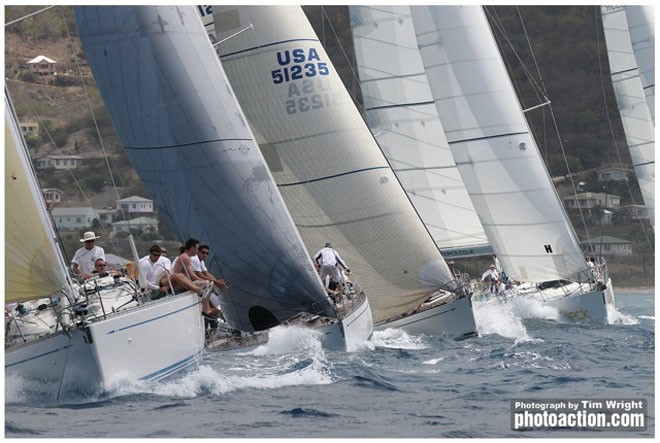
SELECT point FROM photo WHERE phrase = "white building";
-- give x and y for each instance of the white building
(607, 245)
(135, 205)
(588, 200)
(59, 162)
(42, 65)
(143, 224)
(83, 217)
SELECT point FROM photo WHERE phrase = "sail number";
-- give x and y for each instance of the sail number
(309, 97)
(297, 64)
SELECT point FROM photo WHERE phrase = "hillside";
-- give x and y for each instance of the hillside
(567, 48)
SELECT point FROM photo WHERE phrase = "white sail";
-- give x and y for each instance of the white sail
(641, 24)
(34, 266)
(631, 100)
(185, 134)
(334, 179)
(401, 113)
(495, 153)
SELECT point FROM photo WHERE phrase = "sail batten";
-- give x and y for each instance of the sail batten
(164, 86)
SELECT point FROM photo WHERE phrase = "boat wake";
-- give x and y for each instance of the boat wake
(397, 339)
(614, 317)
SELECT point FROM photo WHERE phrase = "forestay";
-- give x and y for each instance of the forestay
(496, 156)
(631, 100)
(183, 130)
(401, 113)
(34, 266)
(335, 180)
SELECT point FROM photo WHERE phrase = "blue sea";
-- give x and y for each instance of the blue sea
(395, 385)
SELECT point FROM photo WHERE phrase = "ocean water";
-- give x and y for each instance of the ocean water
(396, 385)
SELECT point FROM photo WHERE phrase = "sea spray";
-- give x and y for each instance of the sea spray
(398, 339)
(498, 318)
(614, 317)
(530, 308)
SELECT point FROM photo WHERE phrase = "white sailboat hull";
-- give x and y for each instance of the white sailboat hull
(349, 333)
(149, 342)
(587, 306)
(454, 319)
(574, 302)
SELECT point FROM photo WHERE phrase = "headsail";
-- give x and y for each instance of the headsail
(495, 153)
(34, 266)
(641, 24)
(631, 100)
(335, 180)
(184, 132)
(401, 113)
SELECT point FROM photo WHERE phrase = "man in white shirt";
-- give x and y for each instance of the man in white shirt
(329, 260)
(490, 274)
(83, 260)
(154, 266)
(198, 265)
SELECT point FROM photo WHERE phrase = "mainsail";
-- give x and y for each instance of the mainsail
(495, 153)
(334, 179)
(629, 89)
(185, 134)
(34, 265)
(401, 113)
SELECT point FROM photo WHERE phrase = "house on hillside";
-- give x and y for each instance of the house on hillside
(42, 65)
(142, 224)
(29, 127)
(59, 162)
(53, 196)
(84, 217)
(612, 173)
(589, 200)
(607, 245)
(135, 205)
(636, 212)
(107, 215)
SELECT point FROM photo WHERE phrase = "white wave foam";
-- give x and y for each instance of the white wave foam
(433, 361)
(397, 339)
(530, 308)
(614, 317)
(647, 317)
(498, 318)
(287, 339)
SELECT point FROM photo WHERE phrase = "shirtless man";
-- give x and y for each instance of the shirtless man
(183, 265)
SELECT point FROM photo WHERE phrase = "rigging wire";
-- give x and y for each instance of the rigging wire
(29, 15)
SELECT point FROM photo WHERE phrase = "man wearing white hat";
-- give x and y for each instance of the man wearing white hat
(83, 261)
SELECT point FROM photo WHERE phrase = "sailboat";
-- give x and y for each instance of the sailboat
(184, 132)
(630, 39)
(501, 165)
(86, 336)
(335, 181)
